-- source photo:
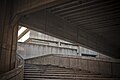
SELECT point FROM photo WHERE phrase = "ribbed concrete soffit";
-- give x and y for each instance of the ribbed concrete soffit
(101, 17)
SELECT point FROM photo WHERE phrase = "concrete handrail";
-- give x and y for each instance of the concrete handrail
(17, 72)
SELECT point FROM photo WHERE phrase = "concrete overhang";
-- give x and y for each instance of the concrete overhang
(94, 24)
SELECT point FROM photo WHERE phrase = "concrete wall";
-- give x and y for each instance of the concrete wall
(44, 39)
(29, 50)
(34, 50)
(49, 40)
(93, 65)
(38, 35)
(17, 73)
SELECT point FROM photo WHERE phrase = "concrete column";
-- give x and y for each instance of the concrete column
(79, 50)
(8, 37)
(59, 44)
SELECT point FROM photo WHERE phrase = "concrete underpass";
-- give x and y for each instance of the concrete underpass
(90, 24)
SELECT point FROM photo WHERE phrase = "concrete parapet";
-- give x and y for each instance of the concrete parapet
(16, 73)
(92, 65)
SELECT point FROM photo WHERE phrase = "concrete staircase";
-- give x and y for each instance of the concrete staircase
(48, 72)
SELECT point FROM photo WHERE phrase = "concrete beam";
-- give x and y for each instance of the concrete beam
(22, 7)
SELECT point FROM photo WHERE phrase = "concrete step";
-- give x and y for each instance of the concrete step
(65, 73)
(44, 79)
(33, 69)
(43, 72)
(55, 68)
(78, 78)
(59, 71)
(72, 79)
(83, 75)
(69, 73)
(46, 74)
(30, 67)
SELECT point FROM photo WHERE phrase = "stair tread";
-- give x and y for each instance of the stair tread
(44, 79)
(43, 72)
(59, 77)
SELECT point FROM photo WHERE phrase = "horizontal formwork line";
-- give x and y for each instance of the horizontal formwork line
(78, 7)
(87, 8)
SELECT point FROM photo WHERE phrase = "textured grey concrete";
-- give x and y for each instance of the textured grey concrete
(16, 73)
(8, 37)
(69, 32)
(92, 65)
(35, 50)
(50, 72)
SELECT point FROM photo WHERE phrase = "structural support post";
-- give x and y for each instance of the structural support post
(8, 37)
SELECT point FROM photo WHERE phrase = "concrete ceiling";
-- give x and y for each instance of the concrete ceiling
(98, 20)
(101, 17)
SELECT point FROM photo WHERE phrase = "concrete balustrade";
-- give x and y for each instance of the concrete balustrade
(28, 50)
(92, 65)
(16, 73)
